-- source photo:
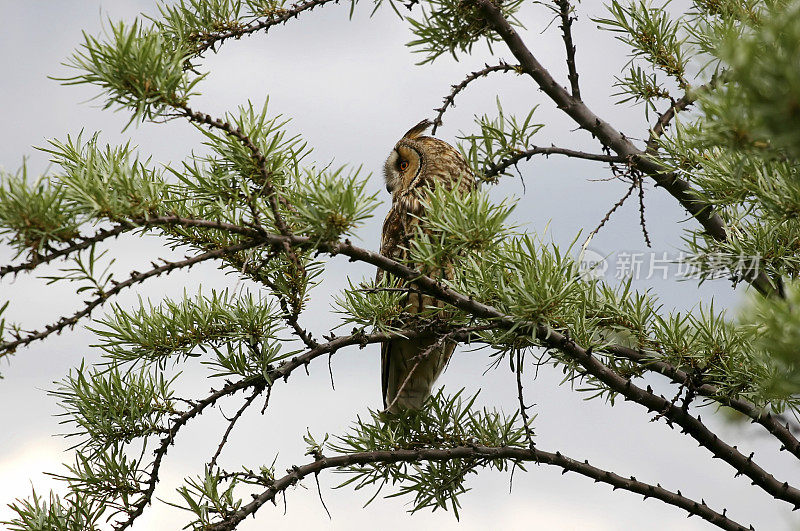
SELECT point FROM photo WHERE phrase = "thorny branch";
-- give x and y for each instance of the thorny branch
(626, 152)
(665, 119)
(277, 16)
(449, 100)
(553, 339)
(297, 473)
(73, 247)
(757, 414)
(523, 409)
(640, 183)
(135, 278)
(259, 384)
(590, 364)
(273, 199)
(258, 157)
(137, 508)
(546, 336)
(232, 423)
(612, 210)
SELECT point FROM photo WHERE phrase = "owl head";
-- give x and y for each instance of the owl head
(406, 160)
(420, 163)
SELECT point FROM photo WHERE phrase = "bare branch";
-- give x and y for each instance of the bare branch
(297, 473)
(523, 409)
(503, 165)
(449, 100)
(640, 183)
(232, 424)
(611, 211)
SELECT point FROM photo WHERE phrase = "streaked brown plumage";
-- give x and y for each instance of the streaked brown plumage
(416, 165)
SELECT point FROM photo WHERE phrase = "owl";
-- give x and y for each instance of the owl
(416, 165)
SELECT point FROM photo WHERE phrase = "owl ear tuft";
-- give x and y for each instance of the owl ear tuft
(417, 130)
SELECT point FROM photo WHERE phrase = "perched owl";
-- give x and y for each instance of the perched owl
(416, 165)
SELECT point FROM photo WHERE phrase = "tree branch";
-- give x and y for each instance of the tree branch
(765, 418)
(273, 199)
(546, 336)
(611, 211)
(665, 119)
(609, 136)
(258, 157)
(137, 508)
(232, 423)
(297, 473)
(615, 382)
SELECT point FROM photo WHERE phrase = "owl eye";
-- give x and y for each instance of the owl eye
(403, 165)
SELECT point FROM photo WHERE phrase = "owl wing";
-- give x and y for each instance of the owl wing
(407, 374)
(392, 239)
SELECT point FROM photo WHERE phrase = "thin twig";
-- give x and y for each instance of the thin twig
(664, 120)
(565, 11)
(642, 223)
(523, 409)
(500, 167)
(277, 16)
(232, 423)
(137, 508)
(611, 211)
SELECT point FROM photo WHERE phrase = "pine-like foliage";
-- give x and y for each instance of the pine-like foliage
(260, 207)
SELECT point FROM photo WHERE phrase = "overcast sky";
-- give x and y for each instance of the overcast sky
(351, 89)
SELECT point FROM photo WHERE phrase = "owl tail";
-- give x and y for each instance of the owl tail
(408, 374)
